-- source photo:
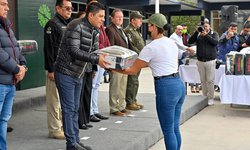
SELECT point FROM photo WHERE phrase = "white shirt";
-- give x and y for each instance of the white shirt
(162, 56)
(179, 42)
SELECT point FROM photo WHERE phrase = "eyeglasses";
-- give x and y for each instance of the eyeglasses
(68, 8)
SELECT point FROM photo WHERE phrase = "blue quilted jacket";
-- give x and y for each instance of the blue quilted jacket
(10, 54)
(225, 46)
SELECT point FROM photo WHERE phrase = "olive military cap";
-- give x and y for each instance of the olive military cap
(157, 19)
(136, 14)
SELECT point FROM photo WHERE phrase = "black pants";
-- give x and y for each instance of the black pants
(85, 99)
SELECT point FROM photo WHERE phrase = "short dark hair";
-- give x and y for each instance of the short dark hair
(233, 24)
(247, 25)
(94, 7)
(166, 27)
(60, 2)
(114, 11)
(89, 2)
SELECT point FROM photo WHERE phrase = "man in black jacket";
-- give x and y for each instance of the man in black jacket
(12, 70)
(206, 41)
(74, 57)
(243, 36)
(53, 33)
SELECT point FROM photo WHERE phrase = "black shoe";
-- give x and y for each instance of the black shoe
(86, 147)
(88, 125)
(70, 148)
(93, 118)
(80, 147)
(101, 116)
(105, 80)
(84, 127)
(9, 129)
(76, 147)
(217, 89)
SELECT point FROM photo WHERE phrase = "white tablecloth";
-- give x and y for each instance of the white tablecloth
(235, 89)
(190, 74)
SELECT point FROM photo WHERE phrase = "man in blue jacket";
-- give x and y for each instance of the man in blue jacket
(12, 70)
(229, 41)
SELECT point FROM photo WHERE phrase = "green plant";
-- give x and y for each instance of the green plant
(190, 21)
(44, 15)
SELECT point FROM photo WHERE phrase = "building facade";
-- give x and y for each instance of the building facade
(29, 18)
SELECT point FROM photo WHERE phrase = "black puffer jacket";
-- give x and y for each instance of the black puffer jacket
(75, 54)
(10, 54)
(206, 45)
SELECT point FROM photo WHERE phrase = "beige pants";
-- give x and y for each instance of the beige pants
(54, 113)
(117, 92)
(207, 76)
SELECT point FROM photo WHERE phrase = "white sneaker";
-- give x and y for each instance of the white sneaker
(210, 102)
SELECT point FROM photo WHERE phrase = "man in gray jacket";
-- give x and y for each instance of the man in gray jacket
(12, 70)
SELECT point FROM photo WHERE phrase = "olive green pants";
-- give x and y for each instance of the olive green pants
(132, 88)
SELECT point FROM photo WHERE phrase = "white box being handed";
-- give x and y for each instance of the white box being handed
(118, 57)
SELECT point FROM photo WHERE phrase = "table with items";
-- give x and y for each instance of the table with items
(190, 74)
(235, 89)
(235, 83)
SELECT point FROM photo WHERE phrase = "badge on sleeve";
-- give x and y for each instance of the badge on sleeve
(48, 31)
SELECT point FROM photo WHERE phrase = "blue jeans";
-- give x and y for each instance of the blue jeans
(69, 89)
(7, 93)
(95, 86)
(170, 95)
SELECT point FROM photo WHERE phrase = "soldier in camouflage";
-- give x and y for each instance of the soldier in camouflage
(137, 43)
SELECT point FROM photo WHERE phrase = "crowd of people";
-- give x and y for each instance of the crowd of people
(74, 73)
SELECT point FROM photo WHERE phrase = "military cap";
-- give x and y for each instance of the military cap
(136, 14)
(157, 19)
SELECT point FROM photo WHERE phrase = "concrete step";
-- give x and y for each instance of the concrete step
(26, 99)
(138, 132)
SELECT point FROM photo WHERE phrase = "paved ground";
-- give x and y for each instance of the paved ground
(220, 127)
(138, 132)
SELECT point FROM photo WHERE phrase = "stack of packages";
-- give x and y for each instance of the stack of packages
(119, 57)
(238, 63)
(230, 63)
(247, 64)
